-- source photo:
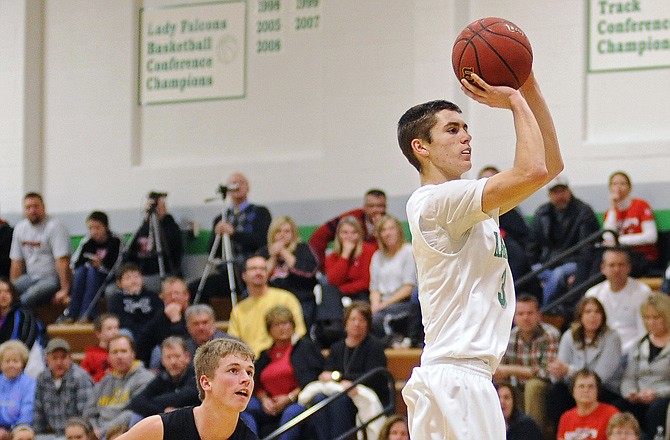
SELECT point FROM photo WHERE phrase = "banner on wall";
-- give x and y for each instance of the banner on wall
(628, 35)
(192, 52)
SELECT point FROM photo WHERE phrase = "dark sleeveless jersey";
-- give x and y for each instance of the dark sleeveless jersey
(180, 425)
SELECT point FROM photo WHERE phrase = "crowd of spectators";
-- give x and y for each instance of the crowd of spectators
(613, 358)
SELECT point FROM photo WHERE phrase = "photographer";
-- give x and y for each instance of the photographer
(144, 252)
(247, 226)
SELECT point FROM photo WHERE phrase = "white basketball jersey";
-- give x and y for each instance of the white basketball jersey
(465, 284)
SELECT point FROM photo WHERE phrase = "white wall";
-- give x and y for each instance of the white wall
(319, 130)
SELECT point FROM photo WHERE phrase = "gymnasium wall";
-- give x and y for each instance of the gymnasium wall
(315, 126)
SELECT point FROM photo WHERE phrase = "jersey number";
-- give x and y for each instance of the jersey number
(502, 296)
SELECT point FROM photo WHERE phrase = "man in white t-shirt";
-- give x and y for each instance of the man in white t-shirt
(40, 256)
(465, 284)
(621, 296)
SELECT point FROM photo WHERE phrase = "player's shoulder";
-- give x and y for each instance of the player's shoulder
(150, 428)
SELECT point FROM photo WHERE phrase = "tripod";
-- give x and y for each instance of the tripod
(154, 235)
(226, 254)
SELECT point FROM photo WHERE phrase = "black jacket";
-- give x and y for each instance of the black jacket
(155, 332)
(552, 232)
(163, 392)
(353, 363)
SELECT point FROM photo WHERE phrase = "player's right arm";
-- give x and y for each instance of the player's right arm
(530, 171)
(150, 428)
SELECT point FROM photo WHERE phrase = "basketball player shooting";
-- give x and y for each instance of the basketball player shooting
(465, 284)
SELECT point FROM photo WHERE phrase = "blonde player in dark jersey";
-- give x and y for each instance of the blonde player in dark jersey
(224, 371)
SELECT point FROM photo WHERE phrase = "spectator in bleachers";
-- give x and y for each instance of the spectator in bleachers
(281, 372)
(519, 425)
(174, 385)
(589, 343)
(15, 321)
(374, 207)
(6, 232)
(63, 390)
(292, 264)
(95, 361)
(621, 296)
(646, 381)
(201, 328)
(590, 418)
(17, 389)
(143, 252)
(515, 231)
(394, 428)
(634, 221)
(247, 226)
(348, 266)
(40, 256)
(558, 225)
(93, 260)
(112, 395)
(392, 280)
(135, 306)
(22, 432)
(171, 322)
(247, 319)
(623, 426)
(533, 345)
(350, 358)
(78, 428)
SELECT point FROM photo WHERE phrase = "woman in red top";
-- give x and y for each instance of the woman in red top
(281, 372)
(634, 221)
(348, 266)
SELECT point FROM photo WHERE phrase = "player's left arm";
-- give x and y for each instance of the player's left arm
(537, 158)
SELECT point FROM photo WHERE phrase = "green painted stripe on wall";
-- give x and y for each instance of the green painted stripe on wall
(199, 245)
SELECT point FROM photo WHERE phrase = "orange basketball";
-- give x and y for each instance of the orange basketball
(495, 49)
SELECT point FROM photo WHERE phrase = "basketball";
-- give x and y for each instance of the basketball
(495, 49)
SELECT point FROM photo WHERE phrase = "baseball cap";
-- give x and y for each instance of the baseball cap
(57, 344)
(559, 180)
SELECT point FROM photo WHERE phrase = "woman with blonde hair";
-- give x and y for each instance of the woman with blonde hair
(348, 266)
(291, 264)
(17, 389)
(646, 381)
(392, 280)
(623, 426)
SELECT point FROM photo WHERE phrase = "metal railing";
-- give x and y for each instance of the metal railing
(574, 291)
(300, 418)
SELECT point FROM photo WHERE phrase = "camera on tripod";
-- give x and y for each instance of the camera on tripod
(154, 195)
(153, 199)
(223, 189)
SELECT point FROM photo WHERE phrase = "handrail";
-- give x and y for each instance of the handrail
(300, 418)
(575, 291)
(594, 237)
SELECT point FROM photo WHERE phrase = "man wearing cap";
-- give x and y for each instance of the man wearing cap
(62, 390)
(558, 225)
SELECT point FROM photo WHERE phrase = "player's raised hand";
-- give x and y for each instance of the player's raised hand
(484, 93)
